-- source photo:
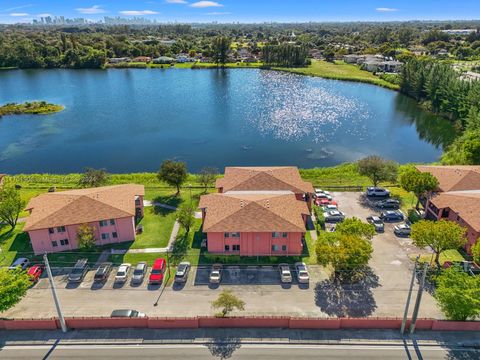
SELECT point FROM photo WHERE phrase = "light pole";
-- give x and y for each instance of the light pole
(407, 305)
(54, 293)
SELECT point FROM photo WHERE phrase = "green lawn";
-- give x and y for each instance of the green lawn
(340, 71)
(157, 227)
(447, 255)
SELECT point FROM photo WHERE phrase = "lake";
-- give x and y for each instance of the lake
(131, 120)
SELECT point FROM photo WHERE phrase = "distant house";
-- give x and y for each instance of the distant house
(111, 210)
(2, 179)
(119, 60)
(457, 198)
(145, 59)
(353, 58)
(183, 58)
(392, 66)
(163, 60)
(258, 211)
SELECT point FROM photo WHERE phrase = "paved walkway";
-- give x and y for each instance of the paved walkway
(165, 206)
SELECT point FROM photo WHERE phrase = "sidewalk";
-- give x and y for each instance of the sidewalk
(271, 336)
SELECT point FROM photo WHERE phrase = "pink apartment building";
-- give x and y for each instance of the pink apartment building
(257, 212)
(110, 210)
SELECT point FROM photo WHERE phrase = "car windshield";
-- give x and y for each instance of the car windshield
(134, 313)
(377, 221)
(157, 271)
(77, 270)
(285, 272)
(214, 274)
(302, 273)
(138, 272)
(121, 273)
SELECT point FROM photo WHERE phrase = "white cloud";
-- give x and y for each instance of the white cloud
(175, 1)
(138, 12)
(219, 13)
(44, 15)
(385, 9)
(205, 4)
(95, 9)
(19, 14)
(16, 8)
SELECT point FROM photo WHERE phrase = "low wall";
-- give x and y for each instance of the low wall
(236, 322)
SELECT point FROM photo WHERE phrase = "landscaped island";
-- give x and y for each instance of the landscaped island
(34, 107)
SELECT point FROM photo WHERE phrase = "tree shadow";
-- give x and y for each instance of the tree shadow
(224, 348)
(170, 200)
(158, 210)
(179, 248)
(341, 299)
(463, 354)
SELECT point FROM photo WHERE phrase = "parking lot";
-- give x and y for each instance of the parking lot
(382, 292)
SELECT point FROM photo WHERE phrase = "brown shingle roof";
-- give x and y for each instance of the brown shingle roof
(82, 206)
(454, 178)
(253, 212)
(465, 203)
(264, 178)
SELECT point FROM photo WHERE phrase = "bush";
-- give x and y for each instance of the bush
(413, 216)
(476, 252)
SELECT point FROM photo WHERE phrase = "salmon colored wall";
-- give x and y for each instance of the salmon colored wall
(42, 240)
(255, 243)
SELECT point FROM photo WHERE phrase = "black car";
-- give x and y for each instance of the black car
(79, 271)
(103, 272)
(388, 204)
(392, 215)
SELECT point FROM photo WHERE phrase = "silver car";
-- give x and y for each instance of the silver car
(183, 269)
(285, 274)
(402, 230)
(22, 263)
(122, 273)
(333, 216)
(139, 272)
(303, 276)
(216, 274)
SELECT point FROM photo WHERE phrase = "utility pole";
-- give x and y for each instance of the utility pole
(407, 305)
(54, 293)
(419, 299)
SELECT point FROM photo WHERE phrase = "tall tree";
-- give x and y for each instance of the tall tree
(186, 217)
(356, 227)
(412, 180)
(86, 237)
(439, 236)
(377, 169)
(11, 204)
(458, 294)
(221, 49)
(13, 287)
(207, 177)
(93, 178)
(476, 251)
(174, 173)
(227, 302)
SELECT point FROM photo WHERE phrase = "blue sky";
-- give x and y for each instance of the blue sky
(12, 11)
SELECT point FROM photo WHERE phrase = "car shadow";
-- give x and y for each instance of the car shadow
(213, 286)
(286, 286)
(347, 299)
(153, 287)
(136, 284)
(72, 285)
(177, 286)
(98, 285)
(304, 286)
(118, 285)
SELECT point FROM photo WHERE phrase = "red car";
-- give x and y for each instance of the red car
(158, 272)
(323, 202)
(35, 272)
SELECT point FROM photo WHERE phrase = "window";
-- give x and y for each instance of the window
(227, 247)
(103, 223)
(226, 235)
(105, 236)
(114, 235)
(236, 247)
(276, 234)
(54, 244)
(284, 247)
(274, 247)
(284, 235)
(61, 229)
(64, 242)
(235, 235)
(112, 221)
(51, 230)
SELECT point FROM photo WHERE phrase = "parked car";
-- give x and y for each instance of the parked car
(302, 272)
(127, 313)
(216, 274)
(20, 262)
(103, 272)
(139, 272)
(402, 230)
(392, 215)
(376, 222)
(333, 216)
(158, 271)
(122, 273)
(183, 269)
(330, 207)
(285, 274)
(388, 204)
(377, 191)
(35, 272)
(324, 202)
(320, 196)
(79, 271)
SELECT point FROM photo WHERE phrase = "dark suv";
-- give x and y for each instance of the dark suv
(103, 272)
(79, 271)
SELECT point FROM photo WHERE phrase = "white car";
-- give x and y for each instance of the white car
(302, 273)
(285, 274)
(333, 216)
(377, 191)
(402, 230)
(216, 274)
(329, 207)
(122, 272)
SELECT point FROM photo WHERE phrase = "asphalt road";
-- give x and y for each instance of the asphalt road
(237, 351)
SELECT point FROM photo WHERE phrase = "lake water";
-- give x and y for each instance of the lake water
(131, 120)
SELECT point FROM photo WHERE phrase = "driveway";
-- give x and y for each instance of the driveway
(382, 293)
